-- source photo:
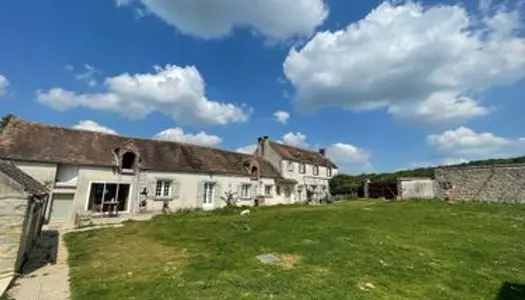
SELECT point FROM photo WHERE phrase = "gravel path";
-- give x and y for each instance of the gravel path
(46, 275)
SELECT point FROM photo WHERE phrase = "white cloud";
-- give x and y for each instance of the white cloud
(420, 63)
(93, 126)
(249, 149)
(349, 158)
(281, 116)
(465, 141)
(87, 74)
(440, 108)
(275, 19)
(296, 139)
(178, 92)
(4, 83)
(177, 134)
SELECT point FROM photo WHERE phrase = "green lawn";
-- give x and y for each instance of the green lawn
(353, 250)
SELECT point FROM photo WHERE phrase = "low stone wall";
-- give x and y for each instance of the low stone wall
(497, 183)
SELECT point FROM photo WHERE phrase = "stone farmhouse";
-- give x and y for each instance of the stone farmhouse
(110, 175)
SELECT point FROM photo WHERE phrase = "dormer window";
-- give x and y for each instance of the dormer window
(128, 160)
(253, 171)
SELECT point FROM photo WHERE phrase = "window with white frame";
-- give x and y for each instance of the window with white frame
(316, 170)
(163, 188)
(302, 168)
(245, 190)
(268, 190)
(290, 166)
(329, 172)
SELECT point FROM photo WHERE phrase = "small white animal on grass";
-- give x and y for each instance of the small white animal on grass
(245, 212)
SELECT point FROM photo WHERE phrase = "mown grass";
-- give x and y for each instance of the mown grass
(354, 250)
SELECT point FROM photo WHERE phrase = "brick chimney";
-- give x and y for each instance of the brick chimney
(322, 151)
(262, 143)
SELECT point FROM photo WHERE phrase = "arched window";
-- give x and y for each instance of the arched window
(128, 160)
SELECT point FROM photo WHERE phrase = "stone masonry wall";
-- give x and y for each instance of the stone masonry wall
(498, 183)
(13, 205)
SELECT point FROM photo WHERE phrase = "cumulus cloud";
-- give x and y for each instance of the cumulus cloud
(349, 158)
(281, 116)
(4, 83)
(296, 139)
(464, 141)
(249, 149)
(420, 63)
(93, 126)
(177, 135)
(178, 92)
(275, 19)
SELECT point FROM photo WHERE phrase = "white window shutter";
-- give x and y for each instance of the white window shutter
(175, 189)
(239, 191)
(200, 193)
(152, 186)
(218, 194)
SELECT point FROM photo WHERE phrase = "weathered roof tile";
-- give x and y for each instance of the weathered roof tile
(22, 140)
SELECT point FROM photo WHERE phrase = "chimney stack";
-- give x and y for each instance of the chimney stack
(322, 151)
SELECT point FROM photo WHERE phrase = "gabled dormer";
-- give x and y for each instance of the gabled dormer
(128, 158)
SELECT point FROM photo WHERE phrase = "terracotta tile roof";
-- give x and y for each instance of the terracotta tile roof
(22, 140)
(29, 183)
(301, 155)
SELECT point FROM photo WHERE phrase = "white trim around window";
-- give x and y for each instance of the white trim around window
(289, 166)
(302, 168)
(246, 189)
(328, 172)
(163, 188)
(316, 170)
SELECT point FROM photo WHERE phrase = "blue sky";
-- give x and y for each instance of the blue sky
(382, 85)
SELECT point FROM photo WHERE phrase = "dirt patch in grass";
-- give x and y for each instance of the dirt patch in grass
(289, 261)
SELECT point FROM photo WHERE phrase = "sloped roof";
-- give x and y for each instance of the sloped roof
(29, 183)
(22, 140)
(301, 155)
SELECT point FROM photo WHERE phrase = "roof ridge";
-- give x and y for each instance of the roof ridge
(296, 147)
(16, 119)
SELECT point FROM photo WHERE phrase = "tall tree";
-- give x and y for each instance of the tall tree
(5, 120)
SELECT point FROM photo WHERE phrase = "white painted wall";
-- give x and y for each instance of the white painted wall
(187, 187)
(417, 188)
(43, 172)
(190, 189)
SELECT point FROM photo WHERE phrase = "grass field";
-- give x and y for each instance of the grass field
(352, 250)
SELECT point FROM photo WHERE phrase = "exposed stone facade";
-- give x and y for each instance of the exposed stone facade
(13, 205)
(498, 183)
(20, 221)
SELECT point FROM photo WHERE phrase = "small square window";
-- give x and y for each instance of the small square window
(268, 190)
(302, 168)
(163, 188)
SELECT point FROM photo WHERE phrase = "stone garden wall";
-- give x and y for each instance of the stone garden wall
(497, 183)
